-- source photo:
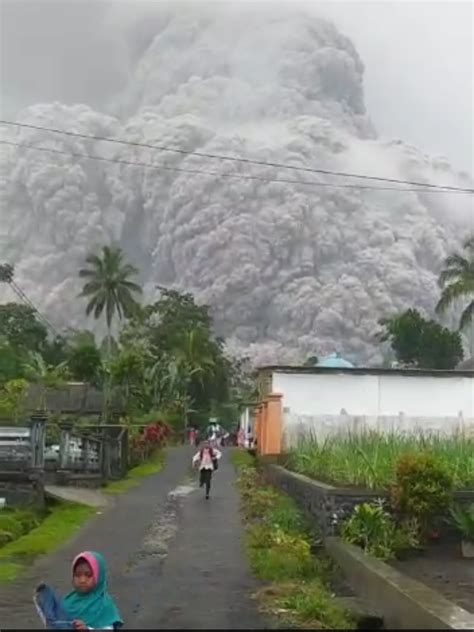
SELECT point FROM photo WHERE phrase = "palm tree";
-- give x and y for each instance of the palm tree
(457, 282)
(108, 287)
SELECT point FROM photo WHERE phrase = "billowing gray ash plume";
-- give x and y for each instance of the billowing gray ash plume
(289, 269)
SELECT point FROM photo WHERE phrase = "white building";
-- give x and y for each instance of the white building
(324, 401)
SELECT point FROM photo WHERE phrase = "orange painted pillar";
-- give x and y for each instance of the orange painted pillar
(263, 428)
(257, 424)
(274, 424)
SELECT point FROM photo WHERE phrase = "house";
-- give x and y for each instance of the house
(295, 401)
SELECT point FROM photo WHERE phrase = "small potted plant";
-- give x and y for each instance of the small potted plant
(463, 518)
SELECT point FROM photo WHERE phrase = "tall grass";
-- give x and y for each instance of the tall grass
(368, 460)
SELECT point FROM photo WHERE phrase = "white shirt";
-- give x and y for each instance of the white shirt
(206, 462)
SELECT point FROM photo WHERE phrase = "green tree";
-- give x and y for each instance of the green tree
(12, 399)
(175, 315)
(45, 376)
(457, 283)
(11, 362)
(54, 350)
(19, 325)
(108, 286)
(83, 357)
(129, 371)
(188, 364)
(422, 343)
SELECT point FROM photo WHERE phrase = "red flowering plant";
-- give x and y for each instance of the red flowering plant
(150, 437)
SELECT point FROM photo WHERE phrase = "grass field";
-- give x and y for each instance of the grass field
(368, 460)
(58, 526)
(136, 474)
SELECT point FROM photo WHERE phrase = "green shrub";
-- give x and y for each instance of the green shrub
(286, 515)
(315, 605)
(373, 529)
(279, 546)
(463, 518)
(15, 523)
(242, 458)
(423, 488)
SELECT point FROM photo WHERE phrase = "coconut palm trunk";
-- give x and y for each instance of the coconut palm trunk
(457, 284)
(109, 289)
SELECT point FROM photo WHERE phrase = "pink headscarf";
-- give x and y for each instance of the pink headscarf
(91, 560)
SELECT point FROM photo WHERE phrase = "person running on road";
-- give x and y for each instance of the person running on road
(207, 458)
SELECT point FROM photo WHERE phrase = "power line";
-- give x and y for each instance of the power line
(162, 167)
(30, 303)
(27, 301)
(235, 159)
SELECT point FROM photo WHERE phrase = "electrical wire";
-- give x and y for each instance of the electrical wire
(162, 167)
(236, 159)
(21, 294)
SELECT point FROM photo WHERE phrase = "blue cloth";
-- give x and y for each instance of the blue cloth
(51, 610)
(96, 608)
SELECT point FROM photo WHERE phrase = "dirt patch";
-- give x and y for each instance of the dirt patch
(441, 567)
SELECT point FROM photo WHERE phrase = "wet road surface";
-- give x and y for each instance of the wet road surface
(175, 560)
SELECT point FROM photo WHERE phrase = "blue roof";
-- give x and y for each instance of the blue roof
(335, 361)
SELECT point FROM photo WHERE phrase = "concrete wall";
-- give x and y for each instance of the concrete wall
(325, 403)
(404, 603)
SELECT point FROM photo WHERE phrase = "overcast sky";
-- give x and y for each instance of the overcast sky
(418, 58)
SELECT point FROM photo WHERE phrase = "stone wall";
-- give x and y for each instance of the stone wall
(67, 478)
(327, 504)
(22, 489)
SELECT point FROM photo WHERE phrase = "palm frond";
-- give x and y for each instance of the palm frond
(91, 305)
(100, 300)
(87, 272)
(451, 294)
(448, 275)
(128, 270)
(457, 261)
(91, 288)
(467, 316)
(130, 285)
(94, 260)
(109, 285)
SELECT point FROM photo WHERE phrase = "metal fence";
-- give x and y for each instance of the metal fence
(15, 448)
(85, 456)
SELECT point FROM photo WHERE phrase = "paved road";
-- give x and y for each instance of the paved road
(175, 560)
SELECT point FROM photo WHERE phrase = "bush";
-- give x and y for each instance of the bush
(145, 444)
(15, 523)
(423, 488)
(373, 529)
(279, 547)
(463, 518)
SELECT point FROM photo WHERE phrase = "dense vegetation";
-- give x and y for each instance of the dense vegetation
(415, 474)
(163, 358)
(279, 542)
(422, 343)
